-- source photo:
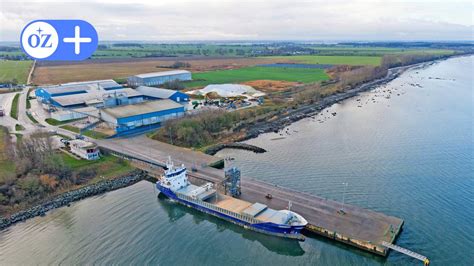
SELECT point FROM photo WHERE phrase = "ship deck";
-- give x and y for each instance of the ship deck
(256, 210)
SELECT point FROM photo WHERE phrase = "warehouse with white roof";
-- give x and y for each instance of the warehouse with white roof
(158, 78)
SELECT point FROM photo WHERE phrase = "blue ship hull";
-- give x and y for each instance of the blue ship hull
(280, 230)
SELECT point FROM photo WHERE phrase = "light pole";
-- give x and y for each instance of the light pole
(343, 196)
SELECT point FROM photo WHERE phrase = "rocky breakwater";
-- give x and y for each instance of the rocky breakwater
(71, 196)
(241, 146)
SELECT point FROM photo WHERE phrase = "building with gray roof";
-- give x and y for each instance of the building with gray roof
(158, 78)
(144, 115)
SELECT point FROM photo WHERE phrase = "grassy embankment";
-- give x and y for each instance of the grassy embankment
(107, 166)
(52, 173)
(28, 103)
(32, 118)
(14, 110)
(55, 122)
(88, 133)
(14, 71)
(19, 127)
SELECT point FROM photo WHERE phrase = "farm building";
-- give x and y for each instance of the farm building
(44, 94)
(158, 78)
(133, 118)
(159, 93)
(84, 149)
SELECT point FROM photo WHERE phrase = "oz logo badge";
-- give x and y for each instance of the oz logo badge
(59, 39)
(39, 40)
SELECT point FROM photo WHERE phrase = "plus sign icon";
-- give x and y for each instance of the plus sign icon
(59, 39)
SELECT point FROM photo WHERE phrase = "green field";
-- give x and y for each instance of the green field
(55, 122)
(88, 133)
(153, 50)
(14, 70)
(333, 59)
(107, 166)
(303, 75)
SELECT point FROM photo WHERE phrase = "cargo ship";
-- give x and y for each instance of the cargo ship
(175, 185)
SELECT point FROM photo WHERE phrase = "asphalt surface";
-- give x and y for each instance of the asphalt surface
(6, 103)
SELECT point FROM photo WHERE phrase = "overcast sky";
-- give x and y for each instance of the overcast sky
(168, 20)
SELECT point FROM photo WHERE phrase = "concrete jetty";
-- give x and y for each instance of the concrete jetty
(358, 227)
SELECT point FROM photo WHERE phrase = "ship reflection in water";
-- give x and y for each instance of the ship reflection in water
(278, 245)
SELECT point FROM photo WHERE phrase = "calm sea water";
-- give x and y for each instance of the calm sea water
(408, 153)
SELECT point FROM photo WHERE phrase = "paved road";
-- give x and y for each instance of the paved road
(36, 111)
(6, 103)
(23, 119)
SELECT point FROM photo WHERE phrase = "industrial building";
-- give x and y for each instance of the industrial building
(158, 78)
(159, 93)
(44, 94)
(76, 113)
(99, 93)
(98, 98)
(81, 99)
(84, 149)
(142, 116)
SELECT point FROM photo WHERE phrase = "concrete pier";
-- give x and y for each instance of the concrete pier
(358, 227)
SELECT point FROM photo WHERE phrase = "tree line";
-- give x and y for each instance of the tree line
(38, 170)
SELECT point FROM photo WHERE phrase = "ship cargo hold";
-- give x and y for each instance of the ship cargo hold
(175, 185)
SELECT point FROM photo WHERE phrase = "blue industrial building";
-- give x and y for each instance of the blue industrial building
(158, 78)
(153, 93)
(45, 94)
(98, 98)
(139, 117)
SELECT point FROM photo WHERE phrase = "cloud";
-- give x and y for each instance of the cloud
(167, 20)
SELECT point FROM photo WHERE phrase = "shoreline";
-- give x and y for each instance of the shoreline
(306, 111)
(66, 198)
